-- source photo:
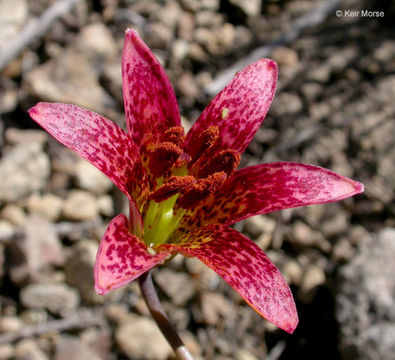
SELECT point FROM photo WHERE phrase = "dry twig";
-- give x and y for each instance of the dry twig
(317, 16)
(33, 30)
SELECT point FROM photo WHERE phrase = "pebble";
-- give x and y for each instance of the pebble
(49, 206)
(213, 307)
(80, 206)
(77, 83)
(13, 214)
(286, 104)
(96, 41)
(148, 342)
(186, 85)
(249, 7)
(23, 170)
(7, 231)
(178, 286)
(29, 350)
(79, 269)
(16, 136)
(71, 347)
(90, 178)
(106, 205)
(9, 324)
(56, 298)
(10, 25)
(35, 252)
(6, 352)
(285, 56)
(304, 236)
(313, 277)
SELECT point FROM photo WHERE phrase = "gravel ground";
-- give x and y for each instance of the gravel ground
(334, 108)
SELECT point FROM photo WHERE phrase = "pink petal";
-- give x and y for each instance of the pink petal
(122, 257)
(270, 187)
(246, 268)
(150, 103)
(96, 139)
(239, 109)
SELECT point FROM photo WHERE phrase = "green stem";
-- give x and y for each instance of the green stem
(155, 307)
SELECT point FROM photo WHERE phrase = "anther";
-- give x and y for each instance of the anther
(226, 161)
(201, 190)
(204, 142)
(174, 135)
(162, 157)
(173, 186)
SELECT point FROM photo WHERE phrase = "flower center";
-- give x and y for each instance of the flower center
(181, 181)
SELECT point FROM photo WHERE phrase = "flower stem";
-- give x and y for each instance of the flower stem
(155, 307)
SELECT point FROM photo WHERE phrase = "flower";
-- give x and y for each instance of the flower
(185, 191)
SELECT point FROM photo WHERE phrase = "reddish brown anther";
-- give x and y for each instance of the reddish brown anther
(162, 157)
(200, 190)
(174, 135)
(204, 142)
(226, 160)
(175, 185)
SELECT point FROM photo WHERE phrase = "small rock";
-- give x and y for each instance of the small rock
(48, 206)
(214, 306)
(178, 286)
(79, 269)
(106, 205)
(54, 297)
(286, 104)
(292, 272)
(96, 41)
(16, 136)
(70, 78)
(91, 179)
(186, 85)
(313, 277)
(7, 231)
(9, 324)
(186, 26)
(285, 56)
(169, 14)
(38, 250)
(8, 94)
(70, 347)
(243, 354)
(13, 214)
(10, 25)
(303, 235)
(249, 7)
(34, 316)
(80, 206)
(6, 352)
(23, 169)
(148, 342)
(160, 36)
(180, 49)
(365, 303)
(28, 350)
(336, 225)
(342, 251)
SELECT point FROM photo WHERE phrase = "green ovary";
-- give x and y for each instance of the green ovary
(160, 221)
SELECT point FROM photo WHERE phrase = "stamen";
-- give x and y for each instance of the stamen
(173, 186)
(205, 141)
(162, 157)
(226, 161)
(199, 191)
(174, 135)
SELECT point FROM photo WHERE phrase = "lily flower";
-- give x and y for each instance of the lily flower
(185, 191)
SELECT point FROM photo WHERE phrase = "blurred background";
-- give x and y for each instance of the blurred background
(334, 107)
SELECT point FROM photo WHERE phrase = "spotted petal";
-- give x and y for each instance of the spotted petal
(270, 187)
(122, 257)
(243, 265)
(96, 139)
(239, 109)
(150, 103)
